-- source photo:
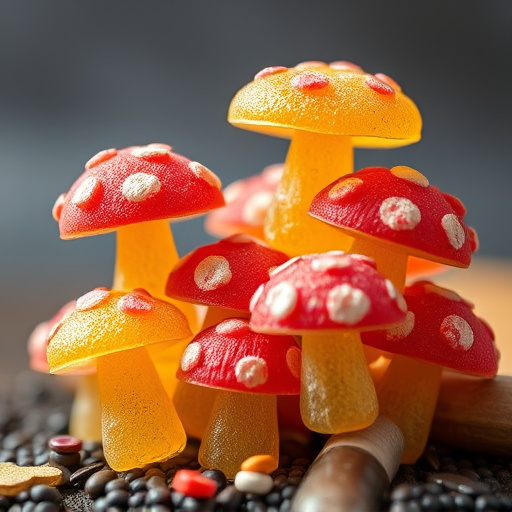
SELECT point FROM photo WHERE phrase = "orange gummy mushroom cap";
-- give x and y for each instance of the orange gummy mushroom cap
(135, 184)
(398, 206)
(336, 99)
(442, 329)
(107, 321)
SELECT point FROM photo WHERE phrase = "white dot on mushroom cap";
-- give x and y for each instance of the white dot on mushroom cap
(346, 304)
(86, 191)
(281, 299)
(101, 157)
(410, 174)
(135, 304)
(402, 330)
(256, 297)
(57, 207)
(233, 191)
(191, 356)
(285, 265)
(443, 292)
(255, 208)
(293, 360)
(457, 332)
(251, 371)
(454, 231)
(272, 174)
(140, 186)
(91, 299)
(202, 172)
(241, 238)
(344, 188)
(212, 273)
(231, 326)
(399, 213)
(151, 150)
(390, 288)
(328, 261)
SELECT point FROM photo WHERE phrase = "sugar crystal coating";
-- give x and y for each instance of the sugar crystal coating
(140, 186)
(457, 332)
(347, 304)
(454, 231)
(86, 193)
(231, 326)
(100, 157)
(212, 273)
(151, 150)
(92, 299)
(251, 371)
(204, 173)
(399, 213)
(191, 356)
(402, 330)
(281, 299)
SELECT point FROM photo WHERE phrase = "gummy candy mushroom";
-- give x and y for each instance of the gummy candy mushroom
(326, 109)
(247, 202)
(440, 331)
(394, 213)
(249, 370)
(223, 276)
(112, 330)
(85, 417)
(328, 298)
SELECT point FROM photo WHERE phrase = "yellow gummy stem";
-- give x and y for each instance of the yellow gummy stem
(337, 393)
(194, 403)
(85, 419)
(408, 394)
(139, 422)
(241, 425)
(314, 161)
(146, 254)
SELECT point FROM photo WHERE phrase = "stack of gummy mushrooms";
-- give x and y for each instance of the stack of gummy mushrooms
(292, 365)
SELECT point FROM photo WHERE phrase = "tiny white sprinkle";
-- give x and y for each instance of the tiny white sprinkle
(92, 299)
(256, 207)
(256, 297)
(454, 231)
(86, 191)
(313, 303)
(140, 186)
(251, 371)
(202, 172)
(253, 482)
(410, 174)
(233, 191)
(150, 151)
(191, 356)
(231, 326)
(212, 273)
(293, 360)
(457, 332)
(281, 299)
(346, 304)
(344, 188)
(402, 330)
(399, 213)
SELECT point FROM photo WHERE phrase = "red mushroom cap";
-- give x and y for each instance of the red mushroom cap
(231, 356)
(135, 184)
(329, 292)
(247, 202)
(398, 206)
(440, 328)
(225, 273)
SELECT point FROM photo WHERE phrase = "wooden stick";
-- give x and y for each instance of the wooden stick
(352, 471)
(474, 414)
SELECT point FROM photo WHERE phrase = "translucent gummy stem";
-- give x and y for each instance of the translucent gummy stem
(408, 394)
(85, 420)
(241, 425)
(337, 393)
(314, 161)
(139, 422)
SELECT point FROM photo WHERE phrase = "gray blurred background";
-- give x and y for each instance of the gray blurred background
(80, 76)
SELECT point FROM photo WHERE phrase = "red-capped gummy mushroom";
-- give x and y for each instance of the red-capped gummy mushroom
(112, 330)
(85, 417)
(328, 298)
(223, 276)
(440, 331)
(326, 109)
(247, 203)
(394, 213)
(248, 370)
(135, 191)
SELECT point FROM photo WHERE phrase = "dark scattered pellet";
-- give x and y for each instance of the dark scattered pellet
(137, 499)
(118, 483)
(15, 508)
(4, 502)
(139, 484)
(413, 506)
(230, 498)
(486, 502)
(100, 505)
(274, 498)
(470, 473)
(286, 506)
(463, 502)
(82, 474)
(95, 484)
(474, 488)
(156, 482)
(117, 498)
(133, 474)
(447, 501)
(28, 506)
(256, 506)
(190, 504)
(288, 491)
(68, 460)
(41, 459)
(430, 502)
(7, 455)
(47, 506)
(217, 476)
(45, 493)
(22, 496)
(158, 496)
